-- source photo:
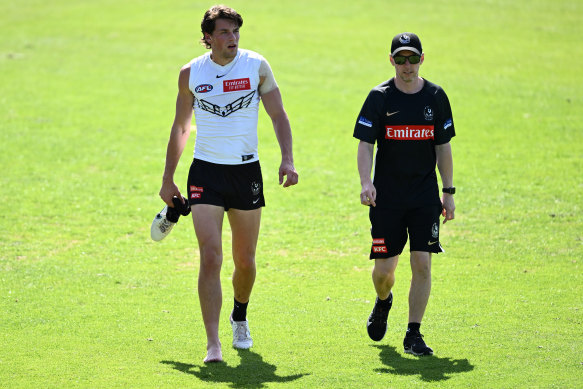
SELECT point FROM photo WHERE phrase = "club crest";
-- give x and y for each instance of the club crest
(255, 188)
(405, 39)
(428, 113)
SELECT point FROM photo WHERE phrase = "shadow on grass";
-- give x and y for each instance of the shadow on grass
(429, 368)
(252, 372)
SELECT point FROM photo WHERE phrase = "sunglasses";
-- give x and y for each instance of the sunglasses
(401, 59)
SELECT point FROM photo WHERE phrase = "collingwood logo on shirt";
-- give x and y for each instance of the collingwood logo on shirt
(428, 113)
(242, 102)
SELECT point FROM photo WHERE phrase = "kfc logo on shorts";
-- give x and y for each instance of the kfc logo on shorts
(378, 245)
(196, 191)
(235, 85)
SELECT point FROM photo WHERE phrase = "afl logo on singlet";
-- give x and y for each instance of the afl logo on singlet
(203, 88)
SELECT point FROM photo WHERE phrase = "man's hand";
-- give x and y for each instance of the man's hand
(168, 191)
(368, 195)
(287, 169)
(448, 207)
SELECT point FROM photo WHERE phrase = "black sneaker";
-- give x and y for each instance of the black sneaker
(414, 344)
(377, 321)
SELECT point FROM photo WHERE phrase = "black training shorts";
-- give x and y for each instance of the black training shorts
(391, 227)
(227, 186)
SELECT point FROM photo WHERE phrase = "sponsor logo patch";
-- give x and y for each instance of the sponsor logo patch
(196, 188)
(379, 249)
(203, 88)
(448, 123)
(435, 230)
(364, 121)
(195, 195)
(235, 85)
(378, 245)
(409, 132)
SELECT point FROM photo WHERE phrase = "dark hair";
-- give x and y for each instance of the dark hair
(210, 17)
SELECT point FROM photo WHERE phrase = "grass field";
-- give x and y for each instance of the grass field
(87, 100)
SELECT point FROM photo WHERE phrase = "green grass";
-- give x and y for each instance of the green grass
(88, 300)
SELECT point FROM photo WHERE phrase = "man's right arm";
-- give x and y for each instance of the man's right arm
(368, 193)
(178, 136)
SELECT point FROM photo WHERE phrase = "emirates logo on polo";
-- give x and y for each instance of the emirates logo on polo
(409, 132)
(235, 85)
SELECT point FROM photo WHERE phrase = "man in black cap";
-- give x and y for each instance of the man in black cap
(410, 119)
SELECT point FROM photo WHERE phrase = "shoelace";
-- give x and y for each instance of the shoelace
(241, 332)
(379, 313)
(418, 339)
(415, 335)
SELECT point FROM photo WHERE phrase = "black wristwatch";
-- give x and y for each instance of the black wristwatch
(450, 190)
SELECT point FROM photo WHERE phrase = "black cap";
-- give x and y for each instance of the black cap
(406, 41)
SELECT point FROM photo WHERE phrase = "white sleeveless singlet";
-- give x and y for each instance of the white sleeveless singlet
(226, 102)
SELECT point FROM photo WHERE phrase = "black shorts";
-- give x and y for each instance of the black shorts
(390, 228)
(227, 186)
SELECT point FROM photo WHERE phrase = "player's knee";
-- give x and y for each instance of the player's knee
(421, 269)
(245, 262)
(383, 273)
(211, 258)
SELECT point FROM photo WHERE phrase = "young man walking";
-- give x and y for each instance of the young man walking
(410, 120)
(223, 87)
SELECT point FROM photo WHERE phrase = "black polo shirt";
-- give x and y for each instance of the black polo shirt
(406, 128)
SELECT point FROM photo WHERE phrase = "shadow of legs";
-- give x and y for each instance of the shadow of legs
(429, 368)
(252, 372)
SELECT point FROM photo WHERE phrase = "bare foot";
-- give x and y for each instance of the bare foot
(213, 354)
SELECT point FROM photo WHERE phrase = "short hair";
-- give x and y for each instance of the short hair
(210, 17)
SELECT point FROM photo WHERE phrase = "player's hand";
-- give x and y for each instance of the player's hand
(448, 207)
(287, 169)
(368, 194)
(168, 191)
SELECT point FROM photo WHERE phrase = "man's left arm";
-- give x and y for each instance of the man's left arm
(445, 167)
(274, 107)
